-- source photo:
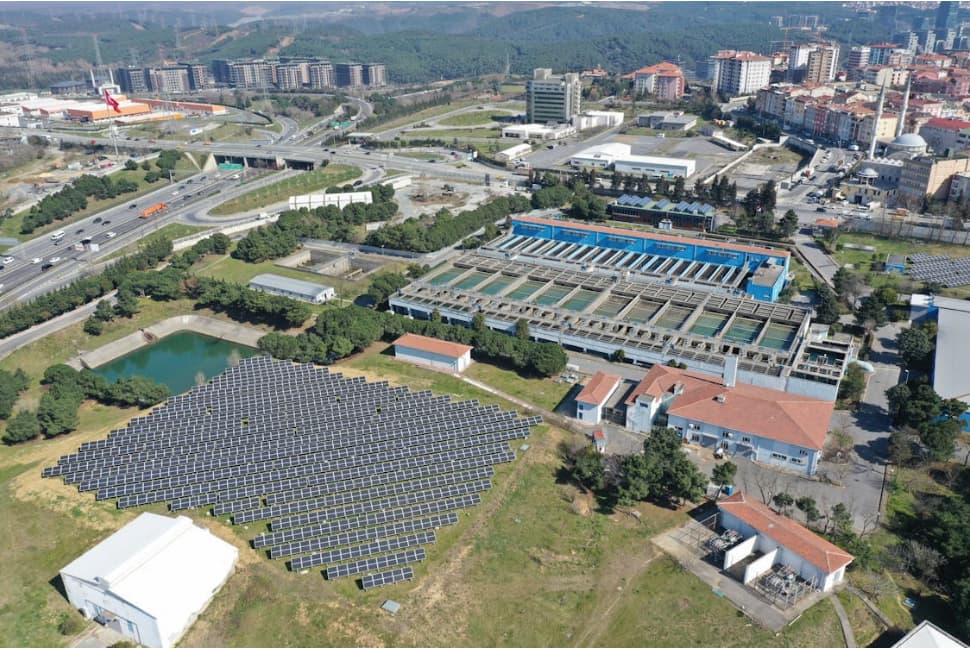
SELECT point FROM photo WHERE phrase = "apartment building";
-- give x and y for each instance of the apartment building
(664, 80)
(946, 134)
(133, 80)
(170, 80)
(879, 53)
(321, 75)
(291, 76)
(552, 98)
(349, 75)
(375, 75)
(740, 73)
(822, 64)
(251, 74)
(858, 57)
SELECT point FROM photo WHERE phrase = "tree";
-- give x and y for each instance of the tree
(788, 224)
(546, 359)
(127, 304)
(131, 165)
(723, 474)
(848, 285)
(590, 469)
(522, 329)
(93, 326)
(900, 448)
(783, 501)
(940, 438)
(383, 285)
(478, 322)
(853, 384)
(22, 427)
(827, 308)
(913, 404)
(104, 311)
(871, 309)
(618, 356)
(806, 505)
(915, 348)
(57, 415)
(662, 473)
(840, 519)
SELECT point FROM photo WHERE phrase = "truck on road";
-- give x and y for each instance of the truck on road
(151, 211)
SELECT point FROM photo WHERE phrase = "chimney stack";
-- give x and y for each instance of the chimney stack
(730, 371)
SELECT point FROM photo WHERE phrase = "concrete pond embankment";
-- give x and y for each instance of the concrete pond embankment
(204, 325)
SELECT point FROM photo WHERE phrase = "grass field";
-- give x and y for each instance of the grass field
(427, 113)
(474, 118)
(862, 259)
(545, 393)
(865, 625)
(171, 231)
(448, 134)
(511, 89)
(183, 169)
(310, 181)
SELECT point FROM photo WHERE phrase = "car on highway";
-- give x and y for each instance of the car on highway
(8, 260)
(47, 266)
(106, 222)
(54, 260)
(110, 235)
(97, 220)
(36, 260)
(79, 231)
(133, 206)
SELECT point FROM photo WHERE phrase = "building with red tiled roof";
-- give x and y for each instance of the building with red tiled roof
(759, 423)
(590, 402)
(665, 80)
(440, 354)
(944, 135)
(779, 541)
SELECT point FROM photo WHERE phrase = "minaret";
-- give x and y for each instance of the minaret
(901, 124)
(875, 126)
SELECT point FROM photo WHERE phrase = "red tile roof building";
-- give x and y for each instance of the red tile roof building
(590, 402)
(762, 424)
(813, 558)
(433, 352)
(664, 80)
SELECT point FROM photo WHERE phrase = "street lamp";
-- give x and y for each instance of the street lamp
(905, 376)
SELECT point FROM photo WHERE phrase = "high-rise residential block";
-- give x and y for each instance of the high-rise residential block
(349, 75)
(375, 75)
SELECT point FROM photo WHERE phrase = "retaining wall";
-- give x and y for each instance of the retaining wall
(220, 329)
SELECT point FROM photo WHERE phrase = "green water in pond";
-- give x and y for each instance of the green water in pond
(176, 360)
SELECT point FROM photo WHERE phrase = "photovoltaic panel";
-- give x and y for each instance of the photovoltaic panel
(387, 578)
(352, 474)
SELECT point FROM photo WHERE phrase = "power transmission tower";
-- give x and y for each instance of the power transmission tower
(28, 59)
(97, 51)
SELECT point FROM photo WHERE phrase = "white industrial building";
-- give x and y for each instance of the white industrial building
(292, 288)
(150, 579)
(950, 377)
(927, 635)
(341, 200)
(773, 539)
(594, 396)
(597, 119)
(601, 155)
(513, 152)
(538, 131)
(655, 166)
(441, 354)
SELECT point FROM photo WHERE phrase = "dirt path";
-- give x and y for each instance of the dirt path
(614, 579)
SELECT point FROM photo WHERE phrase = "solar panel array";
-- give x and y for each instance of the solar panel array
(346, 474)
(941, 269)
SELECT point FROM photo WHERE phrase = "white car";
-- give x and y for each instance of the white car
(54, 260)
(8, 260)
(111, 235)
(36, 260)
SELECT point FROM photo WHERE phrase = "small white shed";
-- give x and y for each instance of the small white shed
(441, 354)
(150, 579)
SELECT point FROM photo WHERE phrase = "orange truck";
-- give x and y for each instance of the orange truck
(151, 211)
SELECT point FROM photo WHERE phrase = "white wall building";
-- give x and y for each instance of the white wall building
(781, 541)
(422, 350)
(513, 152)
(597, 119)
(151, 578)
(590, 401)
(655, 166)
(741, 73)
(341, 200)
(538, 131)
(292, 288)
(601, 155)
